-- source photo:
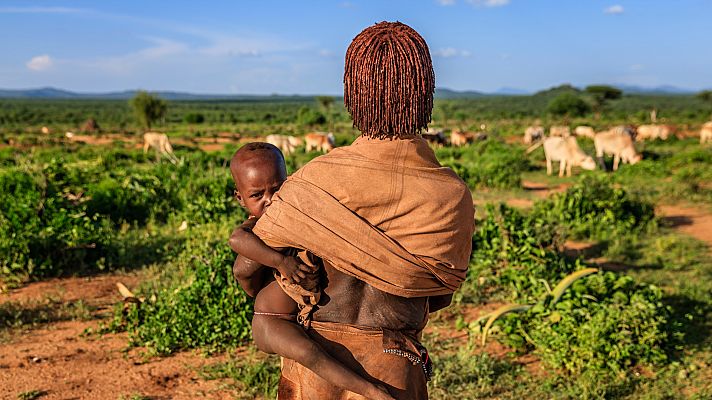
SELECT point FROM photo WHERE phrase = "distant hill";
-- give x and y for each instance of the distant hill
(663, 90)
(440, 93)
(52, 93)
(508, 91)
(443, 93)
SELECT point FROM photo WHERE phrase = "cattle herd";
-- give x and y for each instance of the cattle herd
(559, 146)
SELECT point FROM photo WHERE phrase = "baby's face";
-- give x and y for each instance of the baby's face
(256, 183)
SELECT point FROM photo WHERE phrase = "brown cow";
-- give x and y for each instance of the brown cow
(323, 142)
(460, 138)
(435, 137)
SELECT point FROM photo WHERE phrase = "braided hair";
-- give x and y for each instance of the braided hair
(389, 81)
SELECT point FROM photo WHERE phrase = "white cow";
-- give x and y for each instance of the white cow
(159, 142)
(583, 130)
(619, 144)
(706, 133)
(567, 152)
(287, 144)
(533, 133)
(652, 132)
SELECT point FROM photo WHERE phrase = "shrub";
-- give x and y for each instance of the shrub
(568, 104)
(604, 322)
(207, 309)
(593, 208)
(43, 231)
(488, 164)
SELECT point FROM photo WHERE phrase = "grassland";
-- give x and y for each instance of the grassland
(73, 209)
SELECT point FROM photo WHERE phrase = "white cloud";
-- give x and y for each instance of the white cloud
(489, 3)
(449, 52)
(616, 9)
(40, 63)
(446, 2)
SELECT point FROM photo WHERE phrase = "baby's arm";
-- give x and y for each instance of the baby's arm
(249, 274)
(247, 244)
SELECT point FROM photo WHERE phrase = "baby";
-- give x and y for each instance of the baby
(258, 170)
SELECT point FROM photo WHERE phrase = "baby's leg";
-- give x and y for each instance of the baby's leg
(275, 331)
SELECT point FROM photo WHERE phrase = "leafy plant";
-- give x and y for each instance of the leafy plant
(594, 208)
(207, 309)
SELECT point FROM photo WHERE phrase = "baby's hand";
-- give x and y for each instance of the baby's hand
(293, 270)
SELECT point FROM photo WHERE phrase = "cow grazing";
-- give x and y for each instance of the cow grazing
(460, 138)
(287, 144)
(619, 144)
(532, 134)
(568, 153)
(652, 132)
(159, 142)
(586, 131)
(323, 142)
(45, 130)
(435, 137)
(562, 131)
(706, 133)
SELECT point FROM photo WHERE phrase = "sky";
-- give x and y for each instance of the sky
(298, 46)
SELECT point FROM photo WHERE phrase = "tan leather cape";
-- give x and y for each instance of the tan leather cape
(383, 211)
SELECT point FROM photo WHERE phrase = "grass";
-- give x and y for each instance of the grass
(16, 315)
(252, 374)
(31, 394)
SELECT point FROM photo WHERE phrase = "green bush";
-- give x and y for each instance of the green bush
(43, 231)
(487, 164)
(593, 208)
(207, 309)
(604, 322)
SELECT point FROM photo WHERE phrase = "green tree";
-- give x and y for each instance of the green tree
(309, 116)
(568, 105)
(194, 118)
(600, 95)
(326, 102)
(147, 108)
(705, 95)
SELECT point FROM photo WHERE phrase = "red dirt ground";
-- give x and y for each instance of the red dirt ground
(58, 360)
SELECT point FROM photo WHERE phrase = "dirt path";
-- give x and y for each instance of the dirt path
(58, 360)
(63, 364)
(695, 222)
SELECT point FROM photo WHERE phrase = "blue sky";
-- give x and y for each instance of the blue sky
(285, 47)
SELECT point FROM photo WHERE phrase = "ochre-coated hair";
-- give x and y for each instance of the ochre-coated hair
(389, 81)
